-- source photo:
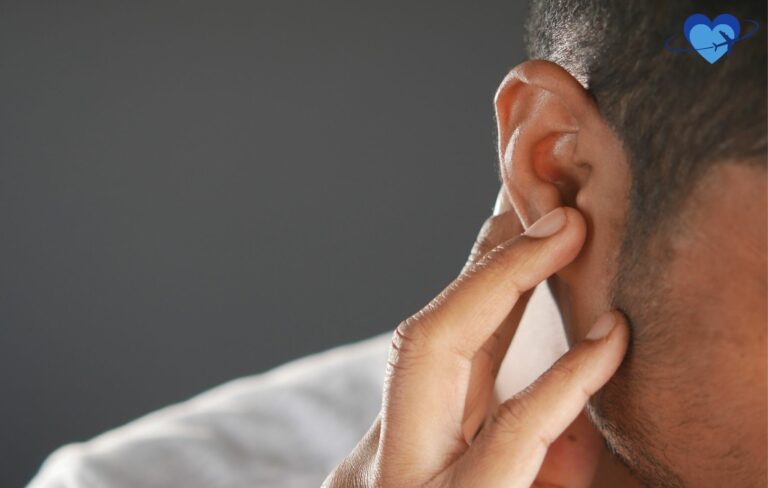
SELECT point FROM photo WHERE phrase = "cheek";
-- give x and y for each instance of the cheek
(689, 386)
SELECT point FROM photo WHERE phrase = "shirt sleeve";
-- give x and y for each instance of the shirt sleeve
(288, 427)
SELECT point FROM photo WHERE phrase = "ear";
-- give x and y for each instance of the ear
(551, 138)
(557, 150)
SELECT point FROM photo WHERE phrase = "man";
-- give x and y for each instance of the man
(688, 406)
(639, 178)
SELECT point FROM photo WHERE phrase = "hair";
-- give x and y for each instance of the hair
(677, 116)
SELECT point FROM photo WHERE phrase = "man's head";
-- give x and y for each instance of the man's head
(665, 155)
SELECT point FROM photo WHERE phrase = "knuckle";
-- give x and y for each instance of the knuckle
(483, 245)
(511, 414)
(563, 372)
(515, 417)
(490, 263)
(500, 260)
(568, 373)
(494, 231)
(409, 341)
(410, 333)
(490, 260)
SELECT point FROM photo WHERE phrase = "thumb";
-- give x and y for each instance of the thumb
(512, 447)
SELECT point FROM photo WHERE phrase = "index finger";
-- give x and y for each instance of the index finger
(432, 352)
(502, 226)
(470, 309)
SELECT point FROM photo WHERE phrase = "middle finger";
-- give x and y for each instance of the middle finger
(432, 351)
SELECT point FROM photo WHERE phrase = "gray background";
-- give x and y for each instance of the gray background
(195, 191)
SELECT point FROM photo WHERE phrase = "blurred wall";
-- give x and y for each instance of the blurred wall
(195, 191)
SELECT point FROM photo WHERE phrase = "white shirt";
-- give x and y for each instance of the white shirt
(288, 427)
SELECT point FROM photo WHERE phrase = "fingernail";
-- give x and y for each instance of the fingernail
(602, 327)
(547, 225)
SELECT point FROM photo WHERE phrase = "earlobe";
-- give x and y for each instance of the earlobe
(541, 113)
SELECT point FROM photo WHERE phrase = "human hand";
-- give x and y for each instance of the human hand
(443, 360)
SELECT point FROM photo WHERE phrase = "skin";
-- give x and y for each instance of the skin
(713, 394)
(443, 362)
(696, 376)
(687, 407)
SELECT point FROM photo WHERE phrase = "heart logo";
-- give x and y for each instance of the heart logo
(712, 39)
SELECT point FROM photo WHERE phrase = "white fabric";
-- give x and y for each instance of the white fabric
(285, 428)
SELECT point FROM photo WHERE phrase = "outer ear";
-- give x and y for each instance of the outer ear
(543, 116)
(557, 150)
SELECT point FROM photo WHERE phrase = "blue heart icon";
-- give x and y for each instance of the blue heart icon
(712, 39)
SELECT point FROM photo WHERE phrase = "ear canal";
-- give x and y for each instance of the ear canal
(553, 162)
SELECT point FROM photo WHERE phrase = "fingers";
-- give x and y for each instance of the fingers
(432, 352)
(510, 450)
(495, 230)
(467, 313)
(485, 367)
(502, 226)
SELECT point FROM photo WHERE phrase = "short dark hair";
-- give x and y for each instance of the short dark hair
(676, 114)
